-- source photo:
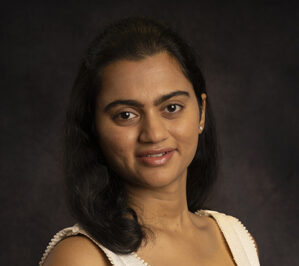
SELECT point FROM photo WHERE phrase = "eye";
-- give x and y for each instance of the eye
(125, 115)
(173, 108)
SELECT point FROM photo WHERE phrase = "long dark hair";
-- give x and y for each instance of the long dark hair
(96, 194)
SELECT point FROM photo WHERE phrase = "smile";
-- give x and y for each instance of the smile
(156, 155)
(158, 159)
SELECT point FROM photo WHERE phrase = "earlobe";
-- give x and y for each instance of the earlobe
(200, 130)
(203, 113)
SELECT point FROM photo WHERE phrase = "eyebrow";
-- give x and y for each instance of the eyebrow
(137, 104)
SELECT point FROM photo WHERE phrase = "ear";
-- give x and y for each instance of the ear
(202, 113)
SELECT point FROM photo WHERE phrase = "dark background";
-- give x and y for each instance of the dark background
(249, 57)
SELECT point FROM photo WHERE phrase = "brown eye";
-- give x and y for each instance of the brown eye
(173, 108)
(125, 115)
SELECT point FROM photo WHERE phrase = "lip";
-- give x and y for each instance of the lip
(152, 152)
(156, 161)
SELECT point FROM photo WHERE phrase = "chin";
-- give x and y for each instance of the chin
(159, 179)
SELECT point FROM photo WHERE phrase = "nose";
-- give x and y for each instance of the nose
(153, 129)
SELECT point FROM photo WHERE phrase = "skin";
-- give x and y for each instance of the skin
(150, 127)
(158, 194)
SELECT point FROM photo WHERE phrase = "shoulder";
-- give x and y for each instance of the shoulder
(76, 251)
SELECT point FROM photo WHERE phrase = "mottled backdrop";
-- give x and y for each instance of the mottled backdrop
(249, 57)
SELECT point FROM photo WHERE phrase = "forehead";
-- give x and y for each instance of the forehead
(143, 80)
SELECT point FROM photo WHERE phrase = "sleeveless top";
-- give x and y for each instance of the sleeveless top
(239, 240)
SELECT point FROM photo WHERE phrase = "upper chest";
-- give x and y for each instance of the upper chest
(206, 247)
(190, 257)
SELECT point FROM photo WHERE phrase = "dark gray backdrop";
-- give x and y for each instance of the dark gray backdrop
(249, 60)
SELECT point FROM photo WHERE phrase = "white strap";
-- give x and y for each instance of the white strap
(56, 239)
(116, 259)
(238, 239)
(75, 230)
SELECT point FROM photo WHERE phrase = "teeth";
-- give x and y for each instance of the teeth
(156, 155)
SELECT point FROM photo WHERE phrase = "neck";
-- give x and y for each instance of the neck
(162, 208)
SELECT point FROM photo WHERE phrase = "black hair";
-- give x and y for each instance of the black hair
(96, 194)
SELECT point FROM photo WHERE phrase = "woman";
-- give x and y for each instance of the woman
(141, 157)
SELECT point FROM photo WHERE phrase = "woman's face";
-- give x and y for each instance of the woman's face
(148, 120)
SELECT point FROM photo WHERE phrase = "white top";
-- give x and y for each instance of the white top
(239, 240)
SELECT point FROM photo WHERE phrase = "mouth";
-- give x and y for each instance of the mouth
(157, 157)
(155, 152)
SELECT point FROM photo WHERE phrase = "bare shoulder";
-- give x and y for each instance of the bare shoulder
(76, 251)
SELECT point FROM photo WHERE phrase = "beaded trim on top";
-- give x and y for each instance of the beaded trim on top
(69, 231)
(56, 238)
(140, 259)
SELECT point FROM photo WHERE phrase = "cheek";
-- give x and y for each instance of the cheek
(186, 133)
(116, 144)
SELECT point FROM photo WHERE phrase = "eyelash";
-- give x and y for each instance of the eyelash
(175, 104)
